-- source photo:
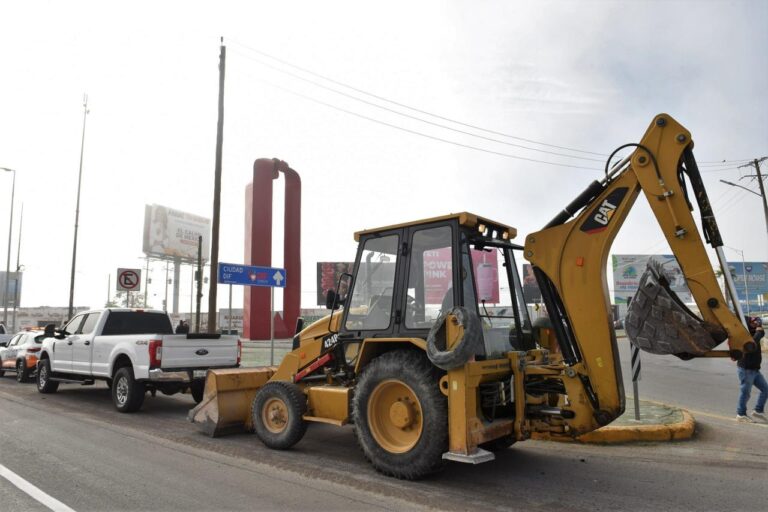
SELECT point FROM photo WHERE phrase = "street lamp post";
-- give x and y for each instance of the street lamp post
(18, 270)
(765, 209)
(743, 274)
(8, 260)
(77, 214)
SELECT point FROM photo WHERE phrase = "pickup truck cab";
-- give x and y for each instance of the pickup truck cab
(134, 351)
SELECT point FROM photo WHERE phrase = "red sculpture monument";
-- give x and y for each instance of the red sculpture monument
(258, 249)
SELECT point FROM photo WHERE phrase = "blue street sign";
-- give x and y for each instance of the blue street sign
(247, 275)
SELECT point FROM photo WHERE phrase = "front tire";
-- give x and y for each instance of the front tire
(278, 414)
(400, 415)
(127, 392)
(44, 383)
(22, 373)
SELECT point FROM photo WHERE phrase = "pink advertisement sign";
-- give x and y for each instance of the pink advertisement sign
(438, 275)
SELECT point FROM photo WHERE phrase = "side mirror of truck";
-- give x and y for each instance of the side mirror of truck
(50, 331)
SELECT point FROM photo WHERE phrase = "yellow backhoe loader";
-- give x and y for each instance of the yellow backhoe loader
(429, 350)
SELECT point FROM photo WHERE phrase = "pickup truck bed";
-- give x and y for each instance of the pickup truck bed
(135, 352)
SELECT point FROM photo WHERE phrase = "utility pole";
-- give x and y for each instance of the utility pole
(212, 308)
(756, 163)
(77, 213)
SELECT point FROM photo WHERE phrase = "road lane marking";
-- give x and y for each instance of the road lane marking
(49, 501)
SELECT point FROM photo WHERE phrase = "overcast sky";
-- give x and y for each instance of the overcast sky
(581, 75)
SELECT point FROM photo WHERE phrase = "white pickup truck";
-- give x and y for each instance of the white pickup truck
(135, 351)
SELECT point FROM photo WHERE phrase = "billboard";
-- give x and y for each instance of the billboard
(531, 291)
(15, 282)
(171, 234)
(328, 273)
(751, 281)
(629, 268)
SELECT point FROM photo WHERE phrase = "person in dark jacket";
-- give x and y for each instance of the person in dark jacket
(749, 375)
(182, 328)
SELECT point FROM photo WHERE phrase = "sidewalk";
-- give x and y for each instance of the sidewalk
(658, 422)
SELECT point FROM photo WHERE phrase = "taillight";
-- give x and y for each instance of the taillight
(155, 353)
(34, 349)
(239, 351)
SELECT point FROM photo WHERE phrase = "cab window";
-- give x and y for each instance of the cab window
(430, 277)
(89, 324)
(370, 306)
(73, 325)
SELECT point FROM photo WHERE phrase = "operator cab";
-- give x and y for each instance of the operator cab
(407, 275)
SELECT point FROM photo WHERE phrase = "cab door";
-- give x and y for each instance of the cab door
(61, 358)
(9, 353)
(82, 346)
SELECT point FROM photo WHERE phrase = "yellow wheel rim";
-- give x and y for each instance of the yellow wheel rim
(274, 415)
(395, 416)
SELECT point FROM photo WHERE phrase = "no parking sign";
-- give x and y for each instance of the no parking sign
(128, 279)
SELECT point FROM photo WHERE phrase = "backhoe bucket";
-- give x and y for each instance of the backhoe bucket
(659, 322)
(226, 404)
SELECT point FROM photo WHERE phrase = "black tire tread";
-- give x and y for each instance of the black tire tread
(136, 391)
(414, 369)
(23, 374)
(196, 390)
(295, 400)
(50, 386)
(468, 346)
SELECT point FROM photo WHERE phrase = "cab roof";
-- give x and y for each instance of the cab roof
(466, 219)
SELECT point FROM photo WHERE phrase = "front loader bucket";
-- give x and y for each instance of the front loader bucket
(658, 321)
(226, 404)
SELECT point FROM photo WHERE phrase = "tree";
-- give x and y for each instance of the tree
(120, 300)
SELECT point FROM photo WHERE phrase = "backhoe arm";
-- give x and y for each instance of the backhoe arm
(570, 257)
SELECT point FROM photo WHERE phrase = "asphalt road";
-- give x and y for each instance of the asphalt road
(75, 447)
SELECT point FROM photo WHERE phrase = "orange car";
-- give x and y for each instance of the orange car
(21, 354)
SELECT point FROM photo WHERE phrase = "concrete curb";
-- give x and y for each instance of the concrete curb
(632, 433)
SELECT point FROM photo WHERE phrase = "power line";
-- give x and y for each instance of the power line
(376, 105)
(437, 116)
(421, 134)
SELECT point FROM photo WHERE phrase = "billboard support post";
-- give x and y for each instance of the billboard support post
(229, 327)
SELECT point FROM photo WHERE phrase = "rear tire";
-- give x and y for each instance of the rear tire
(127, 393)
(400, 415)
(22, 372)
(196, 390)
(278, 414)
(44, 383)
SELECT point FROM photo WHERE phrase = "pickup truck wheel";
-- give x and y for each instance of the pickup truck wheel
(196, 389)
(44, 382)
(22, 373)
(278, 414)
(400, 415)
(127, 393)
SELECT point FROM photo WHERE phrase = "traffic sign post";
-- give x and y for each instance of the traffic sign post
(128, 280)
(249, 275)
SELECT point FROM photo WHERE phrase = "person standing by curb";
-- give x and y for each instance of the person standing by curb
(748, 369)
